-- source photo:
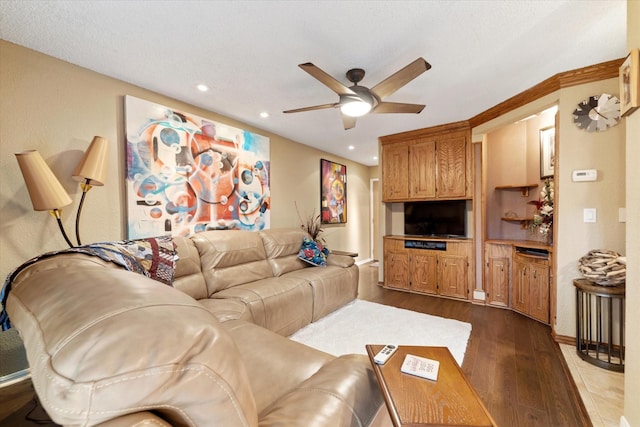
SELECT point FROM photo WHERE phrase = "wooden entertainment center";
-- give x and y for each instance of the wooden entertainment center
(431, 164)
(435, 165)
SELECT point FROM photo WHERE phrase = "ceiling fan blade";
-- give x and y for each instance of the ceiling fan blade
(326, 79)
(315, 107)
(349, 122)
(400, 78)
(397, 107)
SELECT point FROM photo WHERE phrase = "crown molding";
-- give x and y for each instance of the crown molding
(447, 129)
(592, 73)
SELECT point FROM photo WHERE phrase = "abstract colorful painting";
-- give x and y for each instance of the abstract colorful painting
(187, 174)
(333, 184)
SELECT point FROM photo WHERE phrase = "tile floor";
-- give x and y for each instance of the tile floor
(602, 391)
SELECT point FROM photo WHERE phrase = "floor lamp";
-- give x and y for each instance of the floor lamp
(46, 192)
(90, 172)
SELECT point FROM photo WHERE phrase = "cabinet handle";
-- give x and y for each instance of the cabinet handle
(534, 274)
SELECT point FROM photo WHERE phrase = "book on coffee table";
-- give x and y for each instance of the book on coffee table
(420, 367)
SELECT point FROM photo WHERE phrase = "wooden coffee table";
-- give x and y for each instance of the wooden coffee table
(415, 401)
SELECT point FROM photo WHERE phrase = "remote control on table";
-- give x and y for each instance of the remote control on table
(384, 354)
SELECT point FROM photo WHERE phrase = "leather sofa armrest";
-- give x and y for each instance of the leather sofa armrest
(137, 419)
(340, 260)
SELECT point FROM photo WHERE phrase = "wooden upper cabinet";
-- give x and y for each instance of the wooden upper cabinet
(427, 164)
(395, 172)
(452, 167)
(422, 170)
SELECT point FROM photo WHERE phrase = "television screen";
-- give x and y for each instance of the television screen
(445, 218)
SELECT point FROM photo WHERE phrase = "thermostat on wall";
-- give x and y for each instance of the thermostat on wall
(585, 175)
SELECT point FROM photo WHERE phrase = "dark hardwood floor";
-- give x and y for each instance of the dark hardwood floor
(512, 362)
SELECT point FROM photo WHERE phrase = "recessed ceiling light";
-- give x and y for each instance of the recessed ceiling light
(351, 147)
(202, 88)
(264, 114)
(375, 157)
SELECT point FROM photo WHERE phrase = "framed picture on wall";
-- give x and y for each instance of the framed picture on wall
(333, 192)
(547, 151)
(629, 78)
(187, 174)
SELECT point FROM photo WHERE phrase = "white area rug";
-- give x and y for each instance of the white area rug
(348, 329)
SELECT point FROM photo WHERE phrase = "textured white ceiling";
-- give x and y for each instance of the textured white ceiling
(481, 52)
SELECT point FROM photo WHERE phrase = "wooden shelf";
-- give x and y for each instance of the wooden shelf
(517, 219)
(524, 189)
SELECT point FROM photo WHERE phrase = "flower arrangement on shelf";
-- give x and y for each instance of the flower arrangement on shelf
(543, 218)
(312, 225)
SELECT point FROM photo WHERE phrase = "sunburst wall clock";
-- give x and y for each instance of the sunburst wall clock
(597, 113)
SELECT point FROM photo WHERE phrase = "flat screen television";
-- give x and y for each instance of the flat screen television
(446, 218)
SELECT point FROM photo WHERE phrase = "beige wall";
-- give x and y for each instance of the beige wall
(57, 108)
(632, 124)
(605, 152)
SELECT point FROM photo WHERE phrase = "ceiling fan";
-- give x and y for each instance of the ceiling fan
(356, 101)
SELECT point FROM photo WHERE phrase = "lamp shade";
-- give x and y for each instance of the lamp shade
(45, 190)
(93, 165)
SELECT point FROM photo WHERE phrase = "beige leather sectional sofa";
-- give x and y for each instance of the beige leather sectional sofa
(114, 348)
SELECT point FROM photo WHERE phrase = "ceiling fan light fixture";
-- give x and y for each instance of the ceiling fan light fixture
(354, 107)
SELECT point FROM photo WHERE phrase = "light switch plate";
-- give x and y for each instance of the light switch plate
(622, 214)
(589, 214)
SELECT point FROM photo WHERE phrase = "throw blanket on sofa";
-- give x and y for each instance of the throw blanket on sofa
(153, 257)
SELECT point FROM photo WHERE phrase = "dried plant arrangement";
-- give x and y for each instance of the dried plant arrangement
(312, 225)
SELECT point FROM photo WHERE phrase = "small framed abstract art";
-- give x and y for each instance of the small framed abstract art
(333, 192)
(547, 151)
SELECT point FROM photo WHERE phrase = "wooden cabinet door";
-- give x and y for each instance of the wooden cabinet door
(497, 276)
(396, 269)
(395, 172)
(520, 295)
(422, 170)
(423, 272)
(497, 273)
(452, 275)
(452, 166)
(539, 292)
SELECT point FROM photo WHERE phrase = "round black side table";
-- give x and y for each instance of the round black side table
(596, 309)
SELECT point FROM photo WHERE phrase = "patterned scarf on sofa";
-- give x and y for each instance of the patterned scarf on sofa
(154, 257)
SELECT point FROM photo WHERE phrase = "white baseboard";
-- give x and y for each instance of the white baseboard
(624, 422)
(15, 377)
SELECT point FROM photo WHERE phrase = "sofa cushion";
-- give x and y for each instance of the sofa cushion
(280, 304)
(227, 309)
(188, 276)
(281, 247)
(332, 287)
(277, 355)
(104, 342)
(318, 389)
(313, 252)
(230, 257)
(344, 392)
